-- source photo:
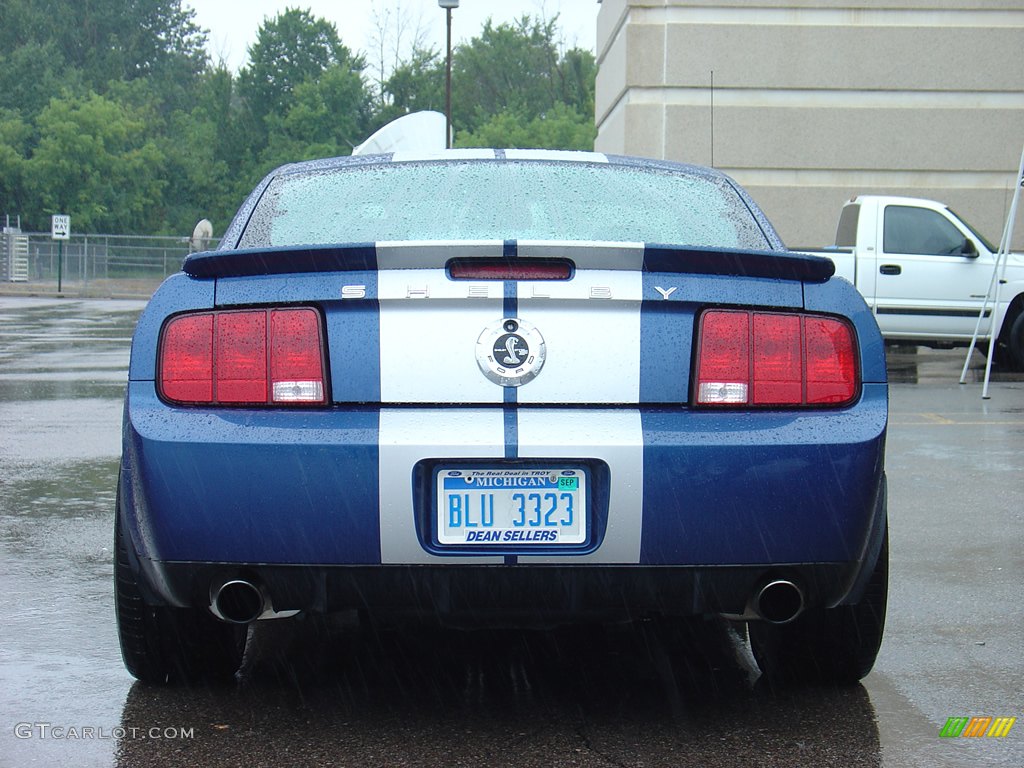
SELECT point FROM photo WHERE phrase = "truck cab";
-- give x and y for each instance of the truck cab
(925, 273)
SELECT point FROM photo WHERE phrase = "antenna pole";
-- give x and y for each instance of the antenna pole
(712, 118)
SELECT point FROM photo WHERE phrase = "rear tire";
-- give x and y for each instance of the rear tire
(161, 644)
(829, 646)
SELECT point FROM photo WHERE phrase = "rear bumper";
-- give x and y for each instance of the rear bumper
(489, 595)
(322, 505)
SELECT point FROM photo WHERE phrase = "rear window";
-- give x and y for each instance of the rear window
(846, 232)
(501, 200)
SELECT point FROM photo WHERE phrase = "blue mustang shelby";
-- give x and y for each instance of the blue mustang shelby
(503, 386)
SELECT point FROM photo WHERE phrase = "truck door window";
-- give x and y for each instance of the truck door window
(920, 231)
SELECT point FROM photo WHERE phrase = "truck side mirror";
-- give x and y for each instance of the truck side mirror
(970, 250)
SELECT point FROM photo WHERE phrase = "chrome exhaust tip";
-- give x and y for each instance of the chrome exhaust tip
(779, 602)
(238, 602)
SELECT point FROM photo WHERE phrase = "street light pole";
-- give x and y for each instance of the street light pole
(448, 5)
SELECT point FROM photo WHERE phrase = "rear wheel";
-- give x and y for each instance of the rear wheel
(161, 644)
(833, 646)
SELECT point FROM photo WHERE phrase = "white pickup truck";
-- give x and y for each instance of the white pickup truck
(925, 272)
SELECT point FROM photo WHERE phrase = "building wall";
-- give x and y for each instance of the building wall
(815, 101)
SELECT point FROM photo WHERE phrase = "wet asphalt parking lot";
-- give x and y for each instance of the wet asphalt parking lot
(954, 643)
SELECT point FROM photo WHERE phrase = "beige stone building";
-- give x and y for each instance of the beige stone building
(810, 102)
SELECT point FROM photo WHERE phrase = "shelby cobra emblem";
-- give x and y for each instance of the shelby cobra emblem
(510, 352)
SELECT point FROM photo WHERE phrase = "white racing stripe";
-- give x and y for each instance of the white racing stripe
(408, 436)
(565, 155)
(428, 335)
(591, 330)
(615, 437)
(429, 326)
(419, 156)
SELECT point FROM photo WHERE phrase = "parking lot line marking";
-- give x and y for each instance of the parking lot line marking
(926, 422)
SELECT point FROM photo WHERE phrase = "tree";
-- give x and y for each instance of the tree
(416, 85)
(577, 73)
(561, 128)
(14, 138)
(109, 39)
(163, 41)
(51, 46)
(327, 117)
(145, 136)
(168, 49)
(94, 161)
(518, 68)
(237, 136)
(31, 73)
(290, 49)
(197, 171)
(394, 32)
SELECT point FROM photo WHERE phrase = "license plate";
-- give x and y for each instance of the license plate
(511, 507)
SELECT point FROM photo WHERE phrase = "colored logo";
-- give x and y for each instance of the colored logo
(977, 727)
(510, 352)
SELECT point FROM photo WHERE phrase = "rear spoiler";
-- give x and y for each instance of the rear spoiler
(361, 257)
(780, 265)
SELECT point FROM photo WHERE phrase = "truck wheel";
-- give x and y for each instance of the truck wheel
(830, 646)
(161, 644)
(1016, 343)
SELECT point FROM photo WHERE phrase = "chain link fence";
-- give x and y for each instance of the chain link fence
(95, 265)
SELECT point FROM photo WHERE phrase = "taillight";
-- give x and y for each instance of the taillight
(775, 359)
(244, 357)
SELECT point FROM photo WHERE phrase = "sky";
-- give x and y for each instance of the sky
(232, 24)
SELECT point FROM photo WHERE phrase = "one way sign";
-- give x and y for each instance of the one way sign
(60, 227)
